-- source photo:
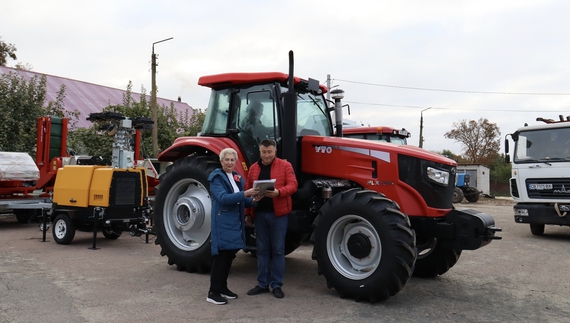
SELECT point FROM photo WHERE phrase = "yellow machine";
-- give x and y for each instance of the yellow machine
(112, 198)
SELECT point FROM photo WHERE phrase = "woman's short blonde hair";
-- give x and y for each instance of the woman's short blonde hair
(226, 151)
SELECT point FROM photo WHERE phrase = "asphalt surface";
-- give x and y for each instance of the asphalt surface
(522, 278)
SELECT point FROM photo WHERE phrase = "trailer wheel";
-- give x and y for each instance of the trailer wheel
(434, 259)
(537, 229)
(364, 245)
(457, 195)
(63, 229)
(110, 234)
(182, 210)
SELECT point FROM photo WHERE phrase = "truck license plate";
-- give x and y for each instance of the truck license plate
(539, 186)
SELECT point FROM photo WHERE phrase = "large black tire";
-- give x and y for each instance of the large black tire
(63, 229)
(433, 258)
(364, 245)
(457, 195)
(472, 195)
(537, 229)
(182, 210)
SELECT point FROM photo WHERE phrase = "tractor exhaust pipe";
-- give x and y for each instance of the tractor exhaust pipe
(338, 95)
(289, 142)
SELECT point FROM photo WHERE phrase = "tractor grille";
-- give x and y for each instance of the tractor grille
(548, 188)
(126, 189)
(413, 171)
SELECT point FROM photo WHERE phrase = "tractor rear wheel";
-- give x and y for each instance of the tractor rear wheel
(434, 259)
(457, 195)
(182, 210)
(364, 245)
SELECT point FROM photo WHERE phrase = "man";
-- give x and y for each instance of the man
(252, 123)
(271, 218)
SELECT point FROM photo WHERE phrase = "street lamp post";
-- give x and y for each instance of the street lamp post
(421, 145)
(154, 64)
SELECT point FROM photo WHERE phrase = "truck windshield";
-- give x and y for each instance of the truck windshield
(544, 145)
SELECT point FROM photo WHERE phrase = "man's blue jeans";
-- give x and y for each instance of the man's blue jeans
(270, 234)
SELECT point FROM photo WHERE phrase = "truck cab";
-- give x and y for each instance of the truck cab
(540, 182)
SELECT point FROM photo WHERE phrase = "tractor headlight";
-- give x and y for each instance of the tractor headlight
(438, 175)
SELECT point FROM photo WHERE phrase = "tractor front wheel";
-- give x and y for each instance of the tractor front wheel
(182, 213)
(364, 245)
(433, 258)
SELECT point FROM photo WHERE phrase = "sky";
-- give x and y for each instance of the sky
(503, 60)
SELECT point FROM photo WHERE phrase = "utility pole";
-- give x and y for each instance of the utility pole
(154, 108)
(421, 144)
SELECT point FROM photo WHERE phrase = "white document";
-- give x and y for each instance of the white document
(264, 184)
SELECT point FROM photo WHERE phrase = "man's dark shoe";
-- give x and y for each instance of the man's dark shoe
(278, 293)
(216, 298)
(258, 290)
(229, 294)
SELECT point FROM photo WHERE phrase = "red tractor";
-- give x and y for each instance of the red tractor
(376, 213)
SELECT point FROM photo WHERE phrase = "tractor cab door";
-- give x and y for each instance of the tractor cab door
(246, 114)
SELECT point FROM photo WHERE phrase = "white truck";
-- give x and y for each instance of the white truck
(540, 182)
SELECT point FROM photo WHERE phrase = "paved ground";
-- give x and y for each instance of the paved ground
(521, 278)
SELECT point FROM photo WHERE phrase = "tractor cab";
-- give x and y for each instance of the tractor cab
(251, 113)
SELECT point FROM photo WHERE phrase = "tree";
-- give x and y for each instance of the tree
(22, 102)
(6, 50)
(480, 140)
(171, 125)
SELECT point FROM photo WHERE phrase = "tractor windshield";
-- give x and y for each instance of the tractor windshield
(312, 115)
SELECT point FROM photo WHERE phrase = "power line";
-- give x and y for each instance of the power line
(454, 91)
(454, 108)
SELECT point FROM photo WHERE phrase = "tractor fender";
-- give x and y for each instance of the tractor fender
(185, 146)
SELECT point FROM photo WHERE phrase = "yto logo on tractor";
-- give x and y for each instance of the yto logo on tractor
(323, 149)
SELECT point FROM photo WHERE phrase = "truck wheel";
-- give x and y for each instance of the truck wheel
(182, 210)
(110, 234)
(537, 229)
(434, 259)
(364, 245)
(63, 229)
(457, 195)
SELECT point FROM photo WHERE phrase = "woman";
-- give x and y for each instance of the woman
(228, 223)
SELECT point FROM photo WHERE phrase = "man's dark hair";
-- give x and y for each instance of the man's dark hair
(267, 143)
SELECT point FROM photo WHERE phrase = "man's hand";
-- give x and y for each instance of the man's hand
(272, 193)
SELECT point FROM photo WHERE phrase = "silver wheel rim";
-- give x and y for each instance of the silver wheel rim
(60, 229)
(186, 214)
(347, 263)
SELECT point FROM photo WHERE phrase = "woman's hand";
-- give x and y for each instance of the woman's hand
(248, 221)
(251, 192)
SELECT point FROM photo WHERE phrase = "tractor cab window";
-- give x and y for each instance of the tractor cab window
(312, 115)
(216, 121)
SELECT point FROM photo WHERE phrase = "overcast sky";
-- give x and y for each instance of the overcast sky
(503, 60)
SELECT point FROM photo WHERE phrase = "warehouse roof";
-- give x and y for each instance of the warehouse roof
(88, 97)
